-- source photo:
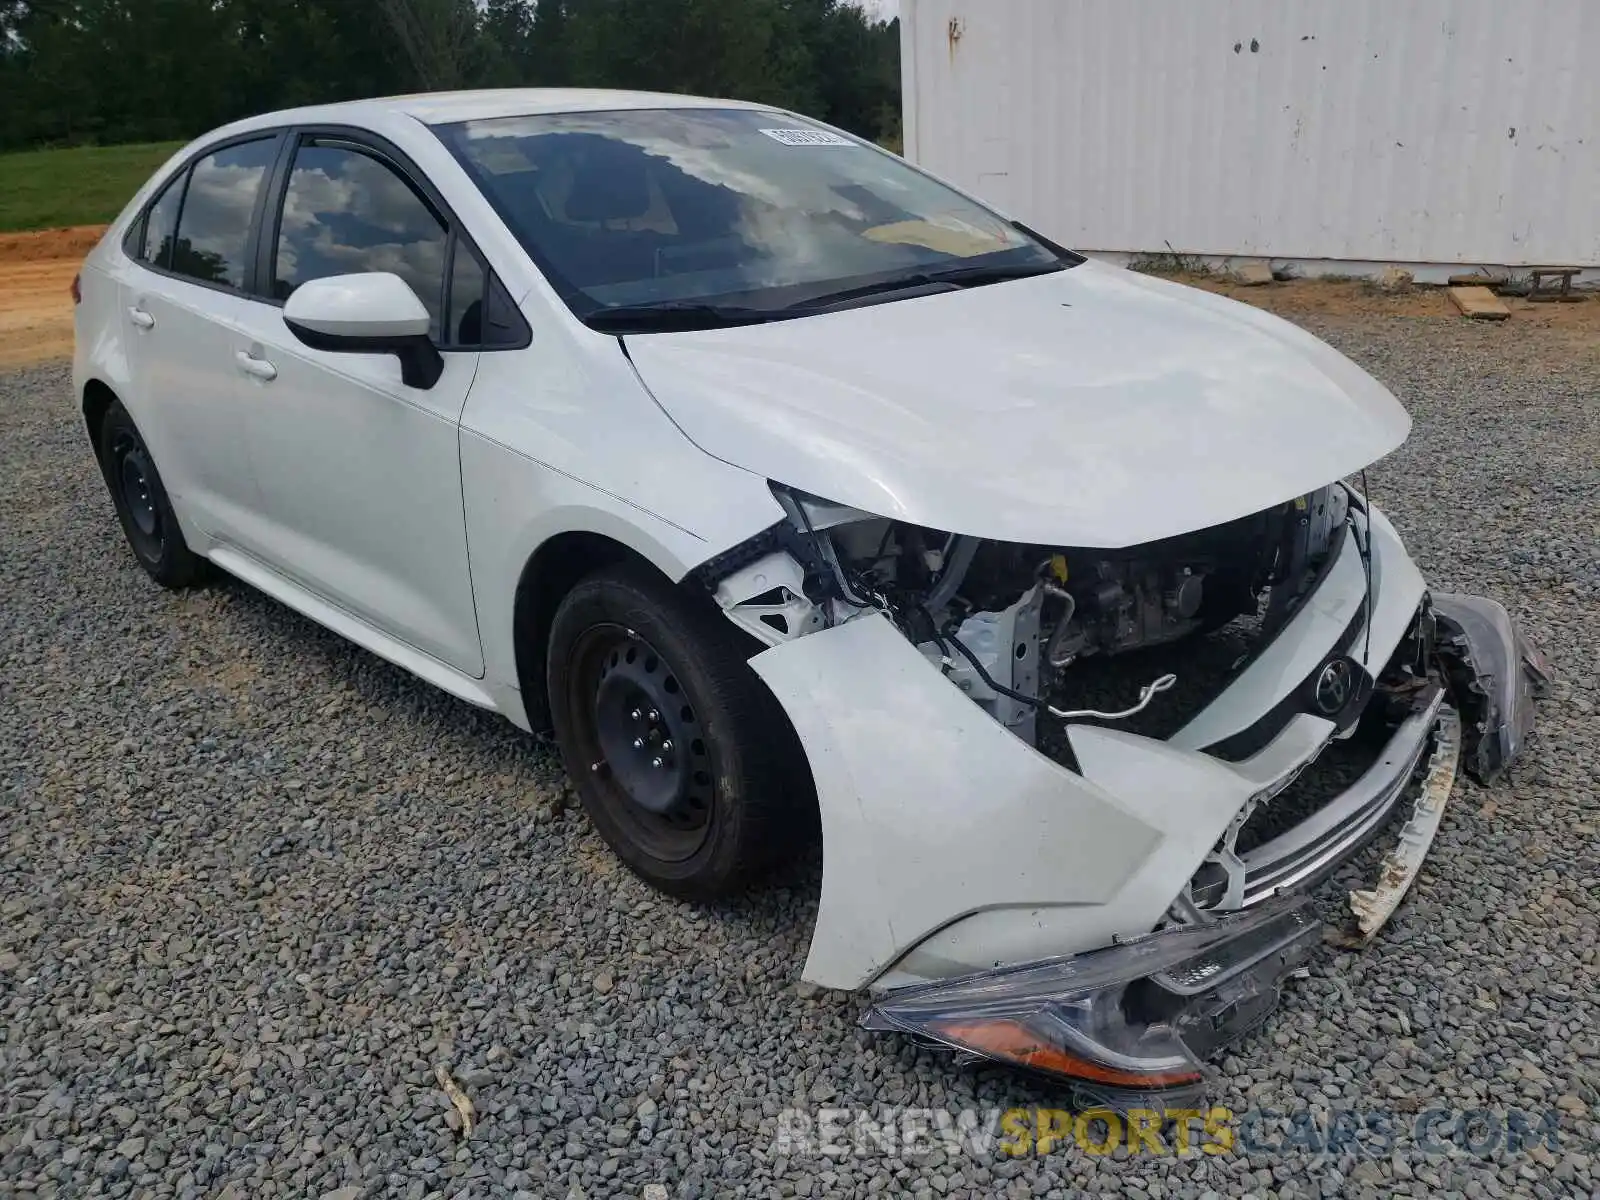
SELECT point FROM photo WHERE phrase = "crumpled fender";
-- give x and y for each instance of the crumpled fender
(932, 812)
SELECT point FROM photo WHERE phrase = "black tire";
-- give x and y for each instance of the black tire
(636, 665)
(142, 505)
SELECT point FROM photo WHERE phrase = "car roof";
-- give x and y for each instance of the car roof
(441, 108)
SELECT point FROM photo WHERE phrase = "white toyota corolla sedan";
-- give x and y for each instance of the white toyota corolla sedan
(792, 488)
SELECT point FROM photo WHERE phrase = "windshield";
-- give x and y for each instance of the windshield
(693, 217)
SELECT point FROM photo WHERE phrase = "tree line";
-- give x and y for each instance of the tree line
(109, 71)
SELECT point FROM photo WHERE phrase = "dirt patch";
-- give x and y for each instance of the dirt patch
(72, 242)
(36, 271)
(1336, 298)
(36, 311)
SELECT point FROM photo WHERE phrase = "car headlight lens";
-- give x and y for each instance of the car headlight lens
(1134, 1018)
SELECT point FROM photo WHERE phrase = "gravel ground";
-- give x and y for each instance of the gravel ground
(255, 884)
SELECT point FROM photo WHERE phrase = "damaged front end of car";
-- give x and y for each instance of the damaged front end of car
(1069, 817)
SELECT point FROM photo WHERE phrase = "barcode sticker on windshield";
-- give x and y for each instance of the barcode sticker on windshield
(807, 137)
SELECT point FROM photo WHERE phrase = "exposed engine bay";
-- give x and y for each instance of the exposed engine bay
(1006, 623)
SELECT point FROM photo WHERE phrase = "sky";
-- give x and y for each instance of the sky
(884, 9)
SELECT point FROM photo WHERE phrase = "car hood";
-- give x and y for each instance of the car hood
(1090, 407)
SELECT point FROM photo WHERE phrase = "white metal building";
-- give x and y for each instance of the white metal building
(1339, 135)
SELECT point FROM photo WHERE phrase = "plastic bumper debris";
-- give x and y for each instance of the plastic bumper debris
(1501, 674)
(1136, 1018)
(1400, 865)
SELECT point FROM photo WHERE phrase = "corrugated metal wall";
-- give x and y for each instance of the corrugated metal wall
(1426, 131)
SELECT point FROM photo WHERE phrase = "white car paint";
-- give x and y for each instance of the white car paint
(1092, 408)
(581, 448)
(359, 478)
(179, 345)
(991, 412)
(376, 304)
(968, 819)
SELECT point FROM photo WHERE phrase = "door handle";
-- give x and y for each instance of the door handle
(258, 367)
(141, 318)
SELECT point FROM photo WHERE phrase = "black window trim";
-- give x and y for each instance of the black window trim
(386, 152)
(186, 171)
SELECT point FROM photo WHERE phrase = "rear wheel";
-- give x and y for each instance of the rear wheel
(683, 760)
(142, 505)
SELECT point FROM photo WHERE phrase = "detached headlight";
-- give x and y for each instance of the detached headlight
(1129, 1020)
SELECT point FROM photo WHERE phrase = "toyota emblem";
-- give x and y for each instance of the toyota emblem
(1334, 687)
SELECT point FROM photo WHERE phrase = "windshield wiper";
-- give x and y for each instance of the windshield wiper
(951, 277)
(977, 276)
(668, 315)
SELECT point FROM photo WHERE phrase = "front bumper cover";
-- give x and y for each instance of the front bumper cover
(1140, 1017)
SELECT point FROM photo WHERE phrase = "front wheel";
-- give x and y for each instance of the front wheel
(683, 760)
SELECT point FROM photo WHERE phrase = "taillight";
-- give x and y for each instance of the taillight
(77, 289)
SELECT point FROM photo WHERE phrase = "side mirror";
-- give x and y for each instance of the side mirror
(372, 313)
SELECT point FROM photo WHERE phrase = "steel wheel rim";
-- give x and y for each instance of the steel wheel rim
(134, 476)
(646, 747)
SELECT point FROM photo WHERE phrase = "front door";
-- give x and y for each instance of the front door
(359, 474)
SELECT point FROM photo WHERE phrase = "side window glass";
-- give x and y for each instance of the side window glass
(155, 246)
(466, 300)
(345, 212)
(214, 224)
(504, 326)
(480, 314)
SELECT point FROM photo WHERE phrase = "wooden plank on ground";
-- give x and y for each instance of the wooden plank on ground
(1488, 281)
(1479, 303)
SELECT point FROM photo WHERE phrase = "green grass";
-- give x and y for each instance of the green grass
(83, 185)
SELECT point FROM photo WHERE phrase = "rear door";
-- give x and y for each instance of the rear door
(183, 302)
(359, 474)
